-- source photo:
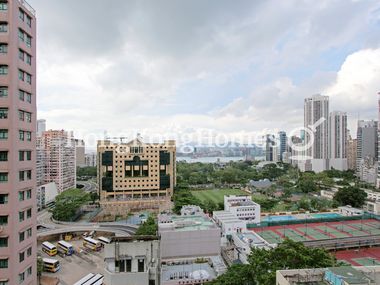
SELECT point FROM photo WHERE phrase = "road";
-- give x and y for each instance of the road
(50, 227)
(88, 186)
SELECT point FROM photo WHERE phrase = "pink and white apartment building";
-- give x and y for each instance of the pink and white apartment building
(17, 143)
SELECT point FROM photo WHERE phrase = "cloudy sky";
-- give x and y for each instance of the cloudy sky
(230, 67)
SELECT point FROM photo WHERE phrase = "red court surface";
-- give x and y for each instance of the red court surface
(320, 231)
(360, 257)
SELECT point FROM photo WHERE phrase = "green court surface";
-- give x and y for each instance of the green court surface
(366, 261)
(292, 234)
(369, 229)
(313, 233)
(216, 195)
(375, 225)
(350, 230)
(270, 236)
(332, 231)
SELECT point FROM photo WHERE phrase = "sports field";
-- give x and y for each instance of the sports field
(359, 257)
(216, 195)
(320, 231)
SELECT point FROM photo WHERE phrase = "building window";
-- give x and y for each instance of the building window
(3, 176)
(21, 277)
(3, 220)
(21, 135)
(4, 263)
(3, 134)
(21, 256)
(4, 155)
(28, 78)
(21, 54)
(3, 241)
(3, 113)
(29, 136)
(29, 194)
(28, 117)
(28, 59)
(21, 155)
(21, 216)
(29, 232)
(3, 69)
(29, 252)
(3, 48)
(21, 236)
(21, 75)
(3, 91)
(3, 199)
(28, 155)
(21, 14)
(21, 176)
(21, 95)
(29, 270)
(140, 265)
(28, 213)
(29, 21)
(3, 7)
(21, 195)
(21, 115)
(28, 97)
(3, 27)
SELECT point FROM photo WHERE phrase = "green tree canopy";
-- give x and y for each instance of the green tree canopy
(68, 203)
(148, 228)
(352, 196)
(263, 264)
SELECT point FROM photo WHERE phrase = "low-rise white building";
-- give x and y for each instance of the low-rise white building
(245, 241)
(350, 211)
(243, 208)
(191, 210)
(228, 222)
(46, 194)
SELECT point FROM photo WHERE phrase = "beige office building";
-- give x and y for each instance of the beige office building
(136, 175)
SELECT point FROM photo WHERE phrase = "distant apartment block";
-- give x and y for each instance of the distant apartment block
(56, 159)
(338, 140)
(41, 127)
(351, 153)
(80, 156)
(316, 115)
(136, 175)
(90, 159)
(46, 194)
(18, 245)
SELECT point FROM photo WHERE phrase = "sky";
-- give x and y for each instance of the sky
(202, 68)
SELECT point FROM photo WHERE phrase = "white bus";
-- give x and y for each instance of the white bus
(51, 265)
(92, 244)
(104, 240)
(49, 248)
(65, 247)
(91, 279)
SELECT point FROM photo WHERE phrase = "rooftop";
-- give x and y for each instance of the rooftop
(184, 223)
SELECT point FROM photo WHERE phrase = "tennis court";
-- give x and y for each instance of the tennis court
(320, 231)
(360, 257)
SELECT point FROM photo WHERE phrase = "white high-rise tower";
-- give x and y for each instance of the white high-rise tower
(338, 140)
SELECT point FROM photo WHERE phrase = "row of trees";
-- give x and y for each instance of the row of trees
(263, 264)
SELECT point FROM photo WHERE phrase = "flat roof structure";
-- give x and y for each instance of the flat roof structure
(185, 223)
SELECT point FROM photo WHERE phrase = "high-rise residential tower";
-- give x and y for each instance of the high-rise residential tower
(41, 126)
(367, 144)
(282, 146)
(18, 244)
(316, 114)
(56, 159)
(338, 140)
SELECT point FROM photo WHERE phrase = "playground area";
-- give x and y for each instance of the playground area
(319, 231)
(360, 257)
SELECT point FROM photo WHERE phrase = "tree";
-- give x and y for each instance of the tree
(306, 184)
(148, 228)
(68, 203)
(263, 264)
(94, 197)
(352, 196)
(40, 268)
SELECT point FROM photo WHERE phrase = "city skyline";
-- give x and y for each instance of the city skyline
(232, 70)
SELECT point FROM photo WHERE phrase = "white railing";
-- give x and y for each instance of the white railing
(27, 6)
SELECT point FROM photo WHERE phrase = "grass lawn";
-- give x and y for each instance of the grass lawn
(216, 195)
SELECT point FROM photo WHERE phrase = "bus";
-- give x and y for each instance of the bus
(104, 240)
(92, 244)
(51, 265)
(49, 248)
(65, 247)
(91, 279)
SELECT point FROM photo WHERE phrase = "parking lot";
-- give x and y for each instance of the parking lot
(74, 267)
